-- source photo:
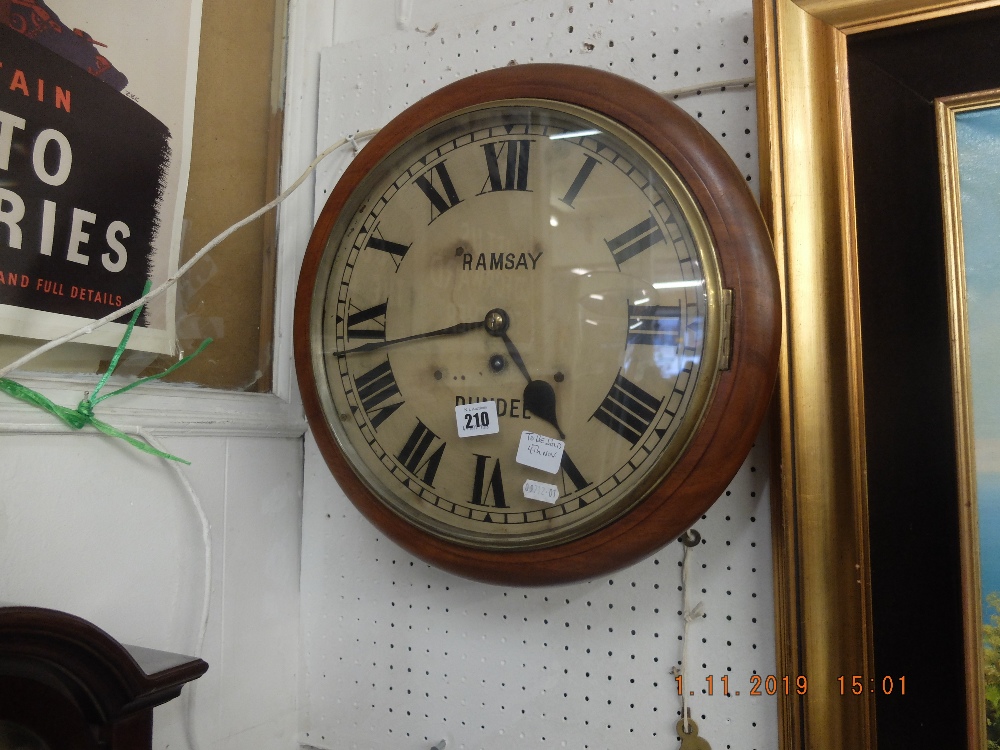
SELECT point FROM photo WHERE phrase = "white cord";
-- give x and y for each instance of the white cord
(676, 93)
(206, 537)
(171, 280)
(404, 10)
(690, 615)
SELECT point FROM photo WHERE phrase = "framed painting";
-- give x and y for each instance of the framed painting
(868, 526)
(969, 141)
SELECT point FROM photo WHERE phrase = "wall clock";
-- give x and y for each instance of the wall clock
(573, 249)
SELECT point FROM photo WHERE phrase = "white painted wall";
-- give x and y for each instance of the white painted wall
(91, 526)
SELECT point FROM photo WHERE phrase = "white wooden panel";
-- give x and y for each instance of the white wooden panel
(91, 526)
(261, 599)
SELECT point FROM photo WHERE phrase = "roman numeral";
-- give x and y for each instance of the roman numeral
(357, 317)
(568, 471)
(394, 250)
(581, 177)
(417, 445)
(515, 175)
(439, 203)
(658, 325)
(374, 388)
(628, 409)
(633, 241)
(481, 489)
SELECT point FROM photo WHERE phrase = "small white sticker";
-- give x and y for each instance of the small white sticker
(477, 419)
(540, 452)
(546, 493)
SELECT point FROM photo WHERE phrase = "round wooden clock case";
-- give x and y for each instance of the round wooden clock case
(573, 248)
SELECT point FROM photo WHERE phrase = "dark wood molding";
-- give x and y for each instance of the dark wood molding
(113, 688)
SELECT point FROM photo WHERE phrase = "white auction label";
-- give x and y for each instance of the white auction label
(477, 419)
(546, 493)
(540, 452)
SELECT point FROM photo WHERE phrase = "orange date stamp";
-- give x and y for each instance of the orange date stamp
(758, 685)
(762, 685)
(857, 684)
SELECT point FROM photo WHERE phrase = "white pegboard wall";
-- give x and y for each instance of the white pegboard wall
(402, 655)
(672, 49)
(398, 654)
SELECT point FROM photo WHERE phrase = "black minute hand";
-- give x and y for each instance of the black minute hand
(516, 356)
(539, 396)
(449, 331)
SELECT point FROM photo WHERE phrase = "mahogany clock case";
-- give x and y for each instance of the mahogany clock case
(739, 403)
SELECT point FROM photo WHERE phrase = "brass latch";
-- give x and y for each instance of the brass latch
(726, 346)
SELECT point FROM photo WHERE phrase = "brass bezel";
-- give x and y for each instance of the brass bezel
(713, 359)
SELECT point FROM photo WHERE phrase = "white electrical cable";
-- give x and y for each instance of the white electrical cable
(404, 11)
(171, 280)
(206, 536)
(690, 614)
(149, 438)
(687, 91)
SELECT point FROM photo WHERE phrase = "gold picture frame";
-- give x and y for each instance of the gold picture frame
(948, 110)
(820, 510)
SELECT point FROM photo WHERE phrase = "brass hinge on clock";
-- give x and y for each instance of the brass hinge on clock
(726, 346)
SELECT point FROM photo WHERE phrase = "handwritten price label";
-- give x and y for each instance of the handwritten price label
(540, 452)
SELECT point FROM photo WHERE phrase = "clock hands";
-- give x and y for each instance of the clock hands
(539, 396)
(515, 355)
(495, 322)
(449, 331)
(540, 400)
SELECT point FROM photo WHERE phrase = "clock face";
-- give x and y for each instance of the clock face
(537, 325)
(605, 334)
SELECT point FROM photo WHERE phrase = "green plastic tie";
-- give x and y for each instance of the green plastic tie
(83, 414)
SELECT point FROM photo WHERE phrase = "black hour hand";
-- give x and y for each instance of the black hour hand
(540, 400)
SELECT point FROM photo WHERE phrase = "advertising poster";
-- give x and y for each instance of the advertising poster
(96, 112)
